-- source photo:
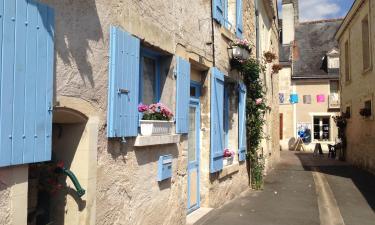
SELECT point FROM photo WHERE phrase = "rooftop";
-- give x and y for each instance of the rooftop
(314, 40)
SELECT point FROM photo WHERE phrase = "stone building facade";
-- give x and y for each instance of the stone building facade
(119, 170)
(356, 38)
(309, 93)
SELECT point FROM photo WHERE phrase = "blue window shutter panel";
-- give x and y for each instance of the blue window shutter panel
(242, 123)
(26, 82)
(123, 90)
(183, 96)
(217, 123)
(218, 10)
(239, 18)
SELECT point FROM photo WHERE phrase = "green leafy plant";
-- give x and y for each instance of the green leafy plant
(256, 108)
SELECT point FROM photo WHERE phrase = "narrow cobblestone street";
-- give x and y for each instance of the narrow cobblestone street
(304, 190)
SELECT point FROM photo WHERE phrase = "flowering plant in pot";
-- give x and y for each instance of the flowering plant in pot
(269, 56)
(276, 68)
(228, 157)
(240, 49)
(365, 112)
(156, 119)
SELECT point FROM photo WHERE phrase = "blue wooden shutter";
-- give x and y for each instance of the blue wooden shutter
(123, 91)
(239, 26)
(183, 96)
(242, 122)
(218, 13)
(26, 81)
(217, 125)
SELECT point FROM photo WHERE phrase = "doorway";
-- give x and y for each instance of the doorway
(193, 166)
(62, 191)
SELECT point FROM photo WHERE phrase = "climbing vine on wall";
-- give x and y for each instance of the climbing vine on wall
(256, 108)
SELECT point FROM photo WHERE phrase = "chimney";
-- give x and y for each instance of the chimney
(290, 14)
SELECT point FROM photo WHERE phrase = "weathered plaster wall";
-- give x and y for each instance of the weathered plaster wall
(13, 195)
(269, 40)
(360, 132)
(5, 198)
(305, 112)
(286, 109)
(126, 188)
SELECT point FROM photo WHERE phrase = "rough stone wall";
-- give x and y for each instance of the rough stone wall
(5, 197)
(127, 190)
(360, 132)
(269, 41)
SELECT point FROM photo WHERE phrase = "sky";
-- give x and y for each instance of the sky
(321, 9)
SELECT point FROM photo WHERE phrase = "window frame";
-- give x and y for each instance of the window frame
(347, 74)
(226, 115)
(321, 117)
(363, 103)
(369, 47)
(156, 57)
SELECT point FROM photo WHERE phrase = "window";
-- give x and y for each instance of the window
(347, 62)
(366, 44)
(226, 115)
(150, 78)
(230, 108)
(229, 14)
(368, 108)
(348, 112)
(334, 87)
(322, 128)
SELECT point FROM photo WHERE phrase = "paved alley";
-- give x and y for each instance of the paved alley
(304, 190)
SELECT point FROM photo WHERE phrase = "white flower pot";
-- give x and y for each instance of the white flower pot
(240, 53)
(155, 127)
(228, 161)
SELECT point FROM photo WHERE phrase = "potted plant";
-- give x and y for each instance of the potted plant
(269, 56)
(228, 157)
(276, 68)
(365, 112)
(240, 49)
(156, 119)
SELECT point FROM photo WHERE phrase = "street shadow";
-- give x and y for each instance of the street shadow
(362, 179)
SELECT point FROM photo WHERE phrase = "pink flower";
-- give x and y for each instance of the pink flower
(228, 153)
(258, 101)
(142, 108)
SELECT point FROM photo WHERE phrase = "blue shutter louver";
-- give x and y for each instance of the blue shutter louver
(123, 90)
(183, 96)
(217, 123)
(218, 10)
(242, 145)
(26, 82)
(239, 15)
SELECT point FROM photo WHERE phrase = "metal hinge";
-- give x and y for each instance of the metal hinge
(123, 91)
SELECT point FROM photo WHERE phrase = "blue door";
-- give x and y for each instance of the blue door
(193, 153)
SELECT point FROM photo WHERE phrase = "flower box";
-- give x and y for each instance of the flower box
(228, 161)
(155, 127)
(240, 53)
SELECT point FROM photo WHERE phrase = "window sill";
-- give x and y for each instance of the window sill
(141, 141)
(227, 33)
(229, 170)
(366, 71)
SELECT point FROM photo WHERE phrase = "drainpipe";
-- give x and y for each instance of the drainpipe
(257, 28)
(212, 34)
